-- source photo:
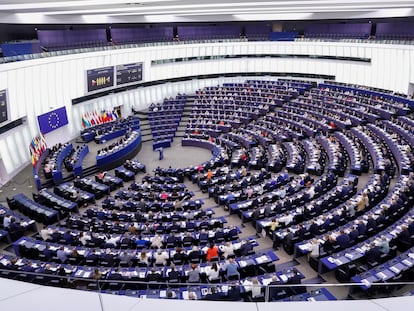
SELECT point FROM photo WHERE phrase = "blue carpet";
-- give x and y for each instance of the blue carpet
(286, 265)
(317, 280)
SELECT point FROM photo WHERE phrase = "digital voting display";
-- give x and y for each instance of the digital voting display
(128, 73)
(100, 78)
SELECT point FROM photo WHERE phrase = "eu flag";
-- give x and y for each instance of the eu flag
(52, 120)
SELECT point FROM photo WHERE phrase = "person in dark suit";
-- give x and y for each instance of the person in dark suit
(214, 295)
(188, 239)
(373, 253)
(195, 254)
(410, 227)
(372, 224)
(246, 248)
(154, 276)
(362, 228)
(232, 234)
(172, 240)
(173, 275)
(275, 291)
(343, 239)
(56, 236)
(233, 293)
(48, 253)
(404, 238)
(115, 275)
(288, 239)
(179, 257)
(336, 219)
(108, 257)
(314, 228)
(326, 224)
(354, 234)
(28, 267)
(93, 258)
(328, 245)
(381, 219)
(300, 233)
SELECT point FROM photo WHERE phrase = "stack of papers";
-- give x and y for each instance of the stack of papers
(395, 269)
(261, 259)
(381, 275)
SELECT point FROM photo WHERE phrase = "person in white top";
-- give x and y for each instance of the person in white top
(286, 219)
(313, 249)
(161, 257)
(46, 233)
(256, 288)
(228, 250)
(213, 272)
(156, 241)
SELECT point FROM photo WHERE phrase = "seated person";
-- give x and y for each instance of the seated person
(343, 239)
(161, 257)
(173, 275)
(246, 248)
(373, 253)
(195, 254)
(232, 272)
(154, 276)
(212, 252)
(180, 257)
(214, 294)
(194, 274)
(213, 273)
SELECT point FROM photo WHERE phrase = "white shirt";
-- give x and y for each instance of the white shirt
(212, 274)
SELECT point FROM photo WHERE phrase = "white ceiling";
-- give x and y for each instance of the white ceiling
(150, 11)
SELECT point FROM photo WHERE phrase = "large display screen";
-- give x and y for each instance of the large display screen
(100, 78)
(128, 73)
(3, 106)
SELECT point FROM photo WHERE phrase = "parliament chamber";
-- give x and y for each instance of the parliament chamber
(229, 162)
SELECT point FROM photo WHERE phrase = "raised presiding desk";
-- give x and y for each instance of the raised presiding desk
(57, 172)
(100, 139)
(77, 168)
(120, 151)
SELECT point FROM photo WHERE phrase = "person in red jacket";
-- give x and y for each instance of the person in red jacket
(212, 251)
